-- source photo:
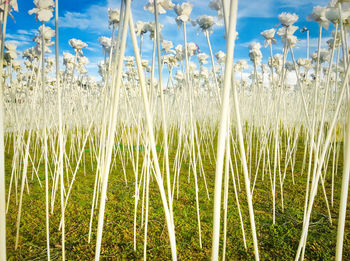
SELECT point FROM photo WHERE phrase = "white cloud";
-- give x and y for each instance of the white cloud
(93, 18)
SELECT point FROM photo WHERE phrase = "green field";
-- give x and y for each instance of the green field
(276, 242)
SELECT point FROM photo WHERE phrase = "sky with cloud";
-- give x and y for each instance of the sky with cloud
(87, 20)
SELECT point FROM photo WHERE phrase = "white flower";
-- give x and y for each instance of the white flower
(129, 61)
(220, 56)
(162, 5)
(144, 63)
(192, 48)
(11, 50)
(179, 52)
(324, 56)
(287, 36)
(167, 46)
(30, 54)
(77, 45)
(183, 12)
(204, 73)
(140, 28)
(269, 36)
(43, 10)
(319, 15)
(68, 60)
(287, 19)
(216, 5)
(82, 60)
(289, 66)
(332, 14)
(179, 76)
(290, 40)
(242, 64)
(286, 31)
(206, 23)
(255, 53)
(47, 32)
(170, 60)
(106, 43)
(113, 17)
(202, 57)
(303, 62)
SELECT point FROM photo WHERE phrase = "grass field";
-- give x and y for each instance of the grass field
(276, 242)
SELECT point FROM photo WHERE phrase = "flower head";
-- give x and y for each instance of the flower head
(202, 57)
(106, 43)
(216, 5)
(220, 56)
(167, 46)
(113, 17)
(287, 19)
(206, 23)
(162, 6)
(255, 53)
(11, 50)
(319, 15)
(77, 44)
(269, 36)
(43, 10)
(47, 32)
(183, 12)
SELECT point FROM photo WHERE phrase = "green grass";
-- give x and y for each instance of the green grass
(276, 242)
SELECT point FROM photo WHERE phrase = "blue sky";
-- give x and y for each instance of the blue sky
(87, 20)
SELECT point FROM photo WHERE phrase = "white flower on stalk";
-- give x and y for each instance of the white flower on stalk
(179, 76)
(289, 66)
(47, 32)
(77, 45)
(241, 65)
(206, 23)
(276, 61)
(324, 56)
(167, 46)
(183, 12)
(144, 64)
(255, 53)
(287, 36)
(192, 48)
(332, 14)
(319, 15)
(83, 60)
(179, 49)
(106, 43)
(162, 5)
(216, 5)
(202, 57)
(141, 28)
(129, 61)
(269, 36)
(304, 62)
(204, 73)
(43, 10)
(220, 57)
(151, 27)
(287, 19)
(11, 50)
(30, 54)
(68, 60)
(170, 60)
(334, 40)
(113, 17)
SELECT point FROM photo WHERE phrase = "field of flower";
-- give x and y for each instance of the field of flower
(175, 157)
